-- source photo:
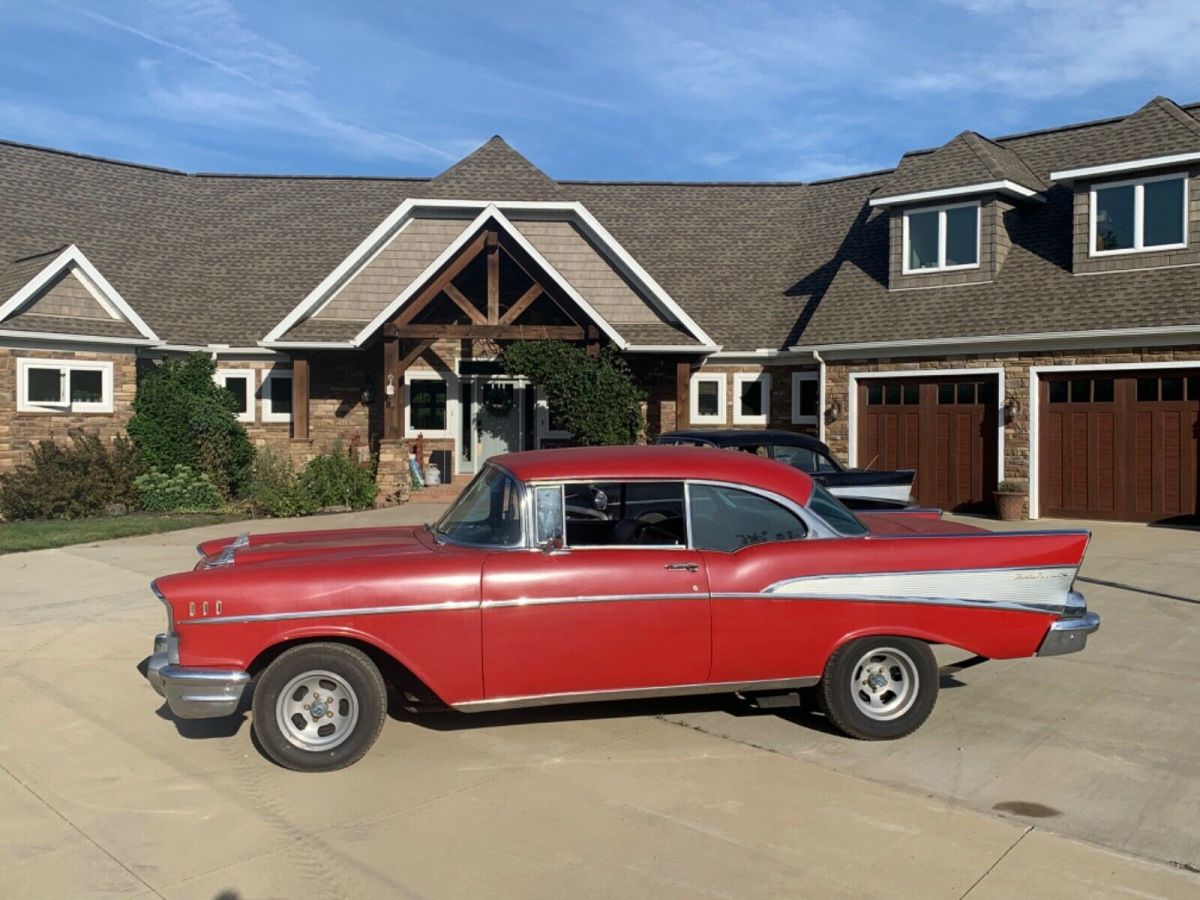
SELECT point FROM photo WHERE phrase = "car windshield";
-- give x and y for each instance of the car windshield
(834, 514)
(487, 513)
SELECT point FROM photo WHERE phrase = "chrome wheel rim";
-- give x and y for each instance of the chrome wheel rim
(317, 710)
(884, 683)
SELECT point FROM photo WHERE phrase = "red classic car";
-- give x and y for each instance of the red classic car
(561, 576)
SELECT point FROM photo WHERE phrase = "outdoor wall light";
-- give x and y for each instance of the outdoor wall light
(833, 412)
(1012, 406)
(367, 393)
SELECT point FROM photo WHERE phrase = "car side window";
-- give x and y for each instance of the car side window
(797, 457)
(632, 513)
(548, 513)
(728, 519)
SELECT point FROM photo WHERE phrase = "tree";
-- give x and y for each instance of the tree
(593, 397)
(181, 416)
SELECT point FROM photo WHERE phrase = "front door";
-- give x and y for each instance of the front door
(498, 421)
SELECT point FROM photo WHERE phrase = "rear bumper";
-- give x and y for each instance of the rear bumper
(1069, 635)
(194, 693)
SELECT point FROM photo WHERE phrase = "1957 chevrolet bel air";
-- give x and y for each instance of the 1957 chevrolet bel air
(561, 576)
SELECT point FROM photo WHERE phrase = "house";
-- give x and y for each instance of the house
(1025, 307)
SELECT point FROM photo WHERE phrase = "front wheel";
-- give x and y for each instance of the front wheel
(319, 707)
(880, 688)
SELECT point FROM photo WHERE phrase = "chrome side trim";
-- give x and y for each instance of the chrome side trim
(596, 598)
(1036, 586)
(906, 600)
(351, 611)
(677, 690)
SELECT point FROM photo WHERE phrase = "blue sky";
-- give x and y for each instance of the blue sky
(626, 90)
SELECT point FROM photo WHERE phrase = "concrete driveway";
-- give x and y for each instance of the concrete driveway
(1063, 777)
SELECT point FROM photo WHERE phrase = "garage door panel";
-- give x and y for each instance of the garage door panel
(1119, 445)
(945, 428)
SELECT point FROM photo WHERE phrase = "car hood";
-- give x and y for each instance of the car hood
(313, 546)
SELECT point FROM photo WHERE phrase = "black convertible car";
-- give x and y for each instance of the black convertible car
(857, 488)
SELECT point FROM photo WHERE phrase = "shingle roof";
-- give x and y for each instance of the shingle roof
(966, 159)
(222, 259)
(20, 272)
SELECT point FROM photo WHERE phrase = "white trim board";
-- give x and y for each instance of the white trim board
(1035, 380)
(572, 211)
(1001, 187)
(1132, 165)
(852, 404)
(95, 283)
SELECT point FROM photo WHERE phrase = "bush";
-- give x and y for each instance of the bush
(272, 488)
(335, 479)
(593, 397)
(183, 490)
(65, 481)
(182, 417)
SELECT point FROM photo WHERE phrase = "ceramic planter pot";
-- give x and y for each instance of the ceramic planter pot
(1009, 505)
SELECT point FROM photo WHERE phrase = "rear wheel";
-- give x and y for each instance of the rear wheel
(319, 707)
(880, 688)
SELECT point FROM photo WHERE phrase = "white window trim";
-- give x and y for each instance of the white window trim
(941, 266)
(1139, 217)
(694, 416)
(247, 375)
(451, 381)
(268, 414)
(740, 378)
(797, 378)
(65, 367)
(542, 408)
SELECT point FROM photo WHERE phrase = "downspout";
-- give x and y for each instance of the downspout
(820, 397)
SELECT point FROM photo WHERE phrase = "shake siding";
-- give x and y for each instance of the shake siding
(67, 297)
(407, 255)
(588, 272)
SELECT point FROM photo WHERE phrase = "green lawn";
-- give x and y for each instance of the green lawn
(38, 535)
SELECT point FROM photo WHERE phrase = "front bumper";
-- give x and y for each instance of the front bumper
(194, 693)
(1069, 635)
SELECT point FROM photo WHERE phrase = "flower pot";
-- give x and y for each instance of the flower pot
(1009, 505)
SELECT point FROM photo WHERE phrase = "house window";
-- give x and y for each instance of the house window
(943, 238)
(805, 398)
(240, 383)
(1147, 214)
(65, 387)
(708, 399)
(427, 406)
(277, 395)
(751, 398)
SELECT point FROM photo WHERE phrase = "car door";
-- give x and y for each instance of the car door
(749, 542)
(596, 614)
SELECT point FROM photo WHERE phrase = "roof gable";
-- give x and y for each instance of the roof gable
(63, 292)
(967, 163)
(495, 171)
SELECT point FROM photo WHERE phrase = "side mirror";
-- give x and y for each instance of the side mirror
(552, 545)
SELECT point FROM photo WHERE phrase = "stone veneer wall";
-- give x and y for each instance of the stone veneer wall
(1016, 385)
(20, 431)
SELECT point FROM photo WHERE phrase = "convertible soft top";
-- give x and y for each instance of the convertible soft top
(657, 461)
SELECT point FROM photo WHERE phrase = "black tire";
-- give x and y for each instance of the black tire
(904, 702)
(355, 699)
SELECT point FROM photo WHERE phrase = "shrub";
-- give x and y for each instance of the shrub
(64, 481)
(182, 417)
(183, 490)
(593, 397)
(272, 488)
(335, 479)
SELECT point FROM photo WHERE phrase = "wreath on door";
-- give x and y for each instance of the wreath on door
(498, 400)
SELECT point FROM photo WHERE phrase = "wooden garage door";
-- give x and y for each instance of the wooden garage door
(944, 428)
(1119, 445)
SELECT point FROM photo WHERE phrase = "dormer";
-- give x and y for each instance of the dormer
(947, 212)
(1135, 195)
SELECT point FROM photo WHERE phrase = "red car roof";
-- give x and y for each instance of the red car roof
(663, 462)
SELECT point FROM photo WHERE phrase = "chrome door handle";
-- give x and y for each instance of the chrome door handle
(683, 567)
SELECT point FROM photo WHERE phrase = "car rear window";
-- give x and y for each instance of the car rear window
(834, 513)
